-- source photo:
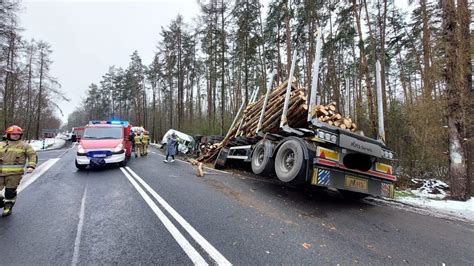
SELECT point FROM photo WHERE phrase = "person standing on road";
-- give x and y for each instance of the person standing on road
(14, 154)
(145, 141)
(132, 139)
(171, 147)
(138, 144)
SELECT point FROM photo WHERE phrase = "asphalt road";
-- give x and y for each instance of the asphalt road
(156, 213)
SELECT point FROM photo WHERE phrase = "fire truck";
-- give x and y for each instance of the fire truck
(77, 133)
(104, 142)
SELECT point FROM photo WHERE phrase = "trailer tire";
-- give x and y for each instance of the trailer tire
(289, 162)
(261, 163)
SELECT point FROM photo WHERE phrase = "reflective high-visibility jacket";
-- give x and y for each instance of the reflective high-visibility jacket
(138, 139)
(145, 139)
(14, 156)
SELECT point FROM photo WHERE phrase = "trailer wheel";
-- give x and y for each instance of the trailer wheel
(262, 163)
(289, 161)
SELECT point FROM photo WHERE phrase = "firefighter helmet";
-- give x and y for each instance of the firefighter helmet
(14, 130)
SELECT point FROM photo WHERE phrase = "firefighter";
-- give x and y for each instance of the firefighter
(14, 154)
(138, 144)
(145, 141)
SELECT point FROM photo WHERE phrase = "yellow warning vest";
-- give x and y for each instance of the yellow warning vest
(138, 139)
(14, 155)
(145, 139)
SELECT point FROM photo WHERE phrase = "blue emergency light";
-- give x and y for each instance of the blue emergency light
(113, 122)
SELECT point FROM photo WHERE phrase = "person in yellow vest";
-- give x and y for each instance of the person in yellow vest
(138, 144)
(145, 141)
(14, 155)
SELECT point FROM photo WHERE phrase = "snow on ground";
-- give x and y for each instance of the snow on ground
(427, 196)
(49, 143)
(448, 208)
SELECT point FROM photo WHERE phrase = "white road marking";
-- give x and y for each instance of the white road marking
(77, 242)
(40, 170)
(192, 253)
(213, 252)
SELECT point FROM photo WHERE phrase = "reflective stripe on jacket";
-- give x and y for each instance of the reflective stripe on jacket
(14, 156)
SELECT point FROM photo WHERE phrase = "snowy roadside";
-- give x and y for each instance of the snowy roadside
(428, 199)
(48, 143)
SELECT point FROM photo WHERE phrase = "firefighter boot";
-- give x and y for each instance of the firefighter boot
(1, 202)
(7, 208)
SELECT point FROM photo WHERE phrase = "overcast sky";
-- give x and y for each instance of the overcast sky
(89, 36)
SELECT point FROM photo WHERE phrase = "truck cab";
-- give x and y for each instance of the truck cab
(104, 142)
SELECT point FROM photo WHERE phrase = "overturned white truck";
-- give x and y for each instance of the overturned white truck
(318, 153)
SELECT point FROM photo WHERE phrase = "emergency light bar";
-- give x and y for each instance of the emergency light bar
(113, 122)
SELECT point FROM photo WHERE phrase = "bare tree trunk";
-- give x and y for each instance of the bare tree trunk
(222, 67)
(366, 71)
(279, 77)
(29, 94)
(40, 95)
(456, 89)
(9, 78)
(153, 110)
(180, 82)
(288, 39)
(427, 77)
(170, 107)
(209, 97)
(246, 72)
(198, 92)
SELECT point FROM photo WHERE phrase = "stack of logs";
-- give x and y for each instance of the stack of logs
(297, 115)
(297, 112)
(328, 114)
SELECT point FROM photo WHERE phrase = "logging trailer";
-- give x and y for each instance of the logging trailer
(317, 154)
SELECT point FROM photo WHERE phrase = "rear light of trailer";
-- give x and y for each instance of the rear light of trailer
(328, 154)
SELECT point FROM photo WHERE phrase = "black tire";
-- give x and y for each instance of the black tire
(80, 166)
(352, 195)
(261, 163)
(290, 163)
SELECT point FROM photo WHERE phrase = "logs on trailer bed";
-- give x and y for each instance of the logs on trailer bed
(297, 116)
(327, 114)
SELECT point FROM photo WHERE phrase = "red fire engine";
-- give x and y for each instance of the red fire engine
(104, 142)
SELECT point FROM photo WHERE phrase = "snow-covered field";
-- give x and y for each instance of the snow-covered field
(48, 143)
